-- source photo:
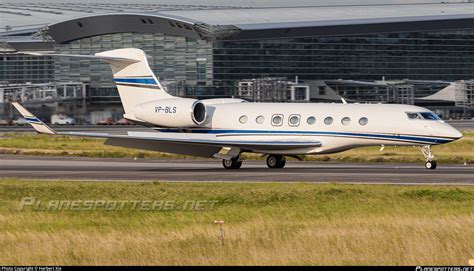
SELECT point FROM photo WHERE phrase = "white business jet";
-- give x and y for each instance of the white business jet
(226, 128)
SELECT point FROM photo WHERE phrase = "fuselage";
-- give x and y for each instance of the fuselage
(338, 126)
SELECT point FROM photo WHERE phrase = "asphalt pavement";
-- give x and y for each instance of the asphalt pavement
(208, 170)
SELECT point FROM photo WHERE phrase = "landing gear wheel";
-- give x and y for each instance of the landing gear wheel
(430, 165)
(276, 161)
(233, 163)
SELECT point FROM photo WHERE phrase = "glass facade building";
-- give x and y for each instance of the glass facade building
(201, 60)
(214, 68)
(353, 51)
(202, 68)
(22, 69)
(447, 56)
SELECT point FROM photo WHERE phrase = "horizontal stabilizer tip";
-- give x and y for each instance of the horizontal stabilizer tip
(98, 57)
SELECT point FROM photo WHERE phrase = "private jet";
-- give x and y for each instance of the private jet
(226, 128)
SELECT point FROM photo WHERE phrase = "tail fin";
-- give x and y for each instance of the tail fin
(135, 81)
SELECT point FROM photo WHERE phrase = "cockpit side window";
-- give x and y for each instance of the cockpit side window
(413, 115)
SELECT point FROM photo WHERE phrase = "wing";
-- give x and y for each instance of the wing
(206, 139)
(205, 145)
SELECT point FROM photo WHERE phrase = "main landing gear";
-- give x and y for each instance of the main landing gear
(430, 163)
(276, 161)
(273, 161)
(233, 163)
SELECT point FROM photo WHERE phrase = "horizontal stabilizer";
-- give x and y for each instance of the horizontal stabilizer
(98, 57)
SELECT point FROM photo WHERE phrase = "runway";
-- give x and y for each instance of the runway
(203, 170)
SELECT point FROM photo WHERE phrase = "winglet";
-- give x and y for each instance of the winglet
(39, 126)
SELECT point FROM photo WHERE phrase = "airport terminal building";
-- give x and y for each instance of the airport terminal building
(406, 53)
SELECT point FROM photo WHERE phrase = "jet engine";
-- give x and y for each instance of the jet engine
(174, 112)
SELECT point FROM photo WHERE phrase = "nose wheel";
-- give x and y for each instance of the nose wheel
(430, 162)
(276, 161)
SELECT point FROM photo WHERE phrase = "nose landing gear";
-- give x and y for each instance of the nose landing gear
(430, 163)
(276, 161)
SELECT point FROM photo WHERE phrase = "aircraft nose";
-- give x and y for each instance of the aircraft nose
(454, 133)
(457, 134)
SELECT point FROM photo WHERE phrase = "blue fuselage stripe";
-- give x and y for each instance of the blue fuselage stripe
(408, 138)
(146, 81)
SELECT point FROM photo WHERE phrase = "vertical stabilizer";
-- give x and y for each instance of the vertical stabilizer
(135, 81)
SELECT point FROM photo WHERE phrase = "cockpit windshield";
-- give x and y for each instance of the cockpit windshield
(422, 115)
(429, 116)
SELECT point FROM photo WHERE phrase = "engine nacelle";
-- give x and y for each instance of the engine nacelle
(174, 112)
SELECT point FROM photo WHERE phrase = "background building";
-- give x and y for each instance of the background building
(397, 53)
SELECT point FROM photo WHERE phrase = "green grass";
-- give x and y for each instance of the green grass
(265, 223)
(460, 151)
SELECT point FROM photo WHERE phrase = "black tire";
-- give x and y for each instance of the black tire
(282, 163)
(431, 164)
(233, 163)
(276, 161)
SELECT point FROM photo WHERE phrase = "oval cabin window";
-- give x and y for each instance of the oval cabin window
(243, 119)
(328, 121)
